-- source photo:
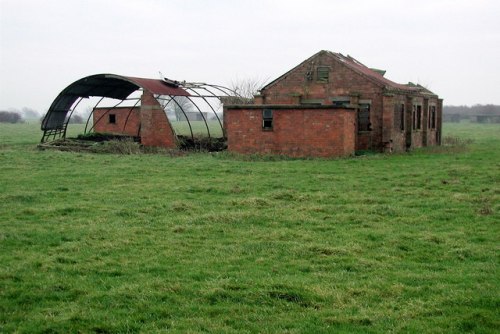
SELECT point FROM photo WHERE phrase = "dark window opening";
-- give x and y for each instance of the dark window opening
(402, 113)
(414, 118)
(364, 118)
(341, 101)
(323, 74)
(432, 117)
(267, 119)
(417, 117)
(112, 119)
(399, 117)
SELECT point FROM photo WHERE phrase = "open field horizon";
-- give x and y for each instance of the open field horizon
(221, 243)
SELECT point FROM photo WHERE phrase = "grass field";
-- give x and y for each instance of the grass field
(101, 243)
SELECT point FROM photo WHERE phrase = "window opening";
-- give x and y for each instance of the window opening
(267, 119)
(399, 117)
(402, 115)
(323, 74)
(364, 118)
(341, 101)
(419, 117)
(112, 119)
(432, 117)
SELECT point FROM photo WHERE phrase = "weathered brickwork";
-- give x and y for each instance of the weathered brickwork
(155, 127)
(328, 77)
(149, 122)
(296, 131)
(122, 120)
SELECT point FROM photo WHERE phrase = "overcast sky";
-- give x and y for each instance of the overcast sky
(450, 46)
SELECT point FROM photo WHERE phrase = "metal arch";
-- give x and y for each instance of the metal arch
(120, 87)
(182, 109)
(222, 87)
(69, 117)
(91, 114)
(105, 113)
(199, 110)
(200, 85)
(223, 90)
(215, 113)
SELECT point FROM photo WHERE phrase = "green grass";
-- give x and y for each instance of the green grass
(228, 244)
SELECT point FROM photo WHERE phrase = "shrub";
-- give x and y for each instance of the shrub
(10, 117)
(202, 143)
(123, 146)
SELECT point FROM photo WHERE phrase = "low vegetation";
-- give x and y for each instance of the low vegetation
(215, 242)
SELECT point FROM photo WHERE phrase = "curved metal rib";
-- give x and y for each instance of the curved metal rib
(172, 98)
(215, 113)
(92, 113)
(199, 110)
(130, 112)
(70, 114)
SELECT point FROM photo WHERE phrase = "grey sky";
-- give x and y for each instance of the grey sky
(452, 47)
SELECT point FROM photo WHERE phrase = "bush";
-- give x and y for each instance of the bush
(202, 143)
(102, 136)
(124, 146)
(10, 117)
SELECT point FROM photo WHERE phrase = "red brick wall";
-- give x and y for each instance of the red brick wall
(398, 136)
(128, 127)
(155, 127)
(343, 81)
(297, 85)
(297, 132)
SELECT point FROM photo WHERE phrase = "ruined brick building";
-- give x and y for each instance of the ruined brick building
(333, 105)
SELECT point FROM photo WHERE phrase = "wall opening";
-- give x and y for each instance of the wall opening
(267, 119)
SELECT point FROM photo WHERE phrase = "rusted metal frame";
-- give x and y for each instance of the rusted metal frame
(105, 113)
(130, 112)
(204, 120)
(219, 88)
(215, 113)
(91, 113)
(160, 98)
(213, 94)
(57, 132)
(172, 98)
(47, 134)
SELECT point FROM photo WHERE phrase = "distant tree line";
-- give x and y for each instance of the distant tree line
(18, 116)
(26, 114)
(478, 109)
(487, 113)
(10, 117)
